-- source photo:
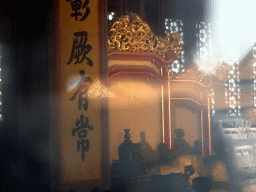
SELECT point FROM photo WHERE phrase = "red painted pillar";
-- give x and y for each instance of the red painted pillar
(166, 103)
(172, 122)
(206, 131)
(168, 116)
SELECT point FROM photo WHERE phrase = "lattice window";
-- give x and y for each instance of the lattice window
(203, 43)
(176, 26)
(232, 90)
(203, 54)
(232, 85)
(254, 77)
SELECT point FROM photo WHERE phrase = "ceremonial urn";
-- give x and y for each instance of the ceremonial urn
(126, 149)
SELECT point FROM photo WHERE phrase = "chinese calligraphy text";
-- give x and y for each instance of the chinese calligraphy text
(78, 6)
(82, 128)
(80, 49)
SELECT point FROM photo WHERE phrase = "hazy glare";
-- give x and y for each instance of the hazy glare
(233, 30)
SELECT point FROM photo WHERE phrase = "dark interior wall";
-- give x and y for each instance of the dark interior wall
(24, 39)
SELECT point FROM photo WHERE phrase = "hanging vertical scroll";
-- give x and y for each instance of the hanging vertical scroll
(80, 62)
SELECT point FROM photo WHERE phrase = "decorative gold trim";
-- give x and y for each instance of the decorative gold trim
(162, 94)
(131, 33)
(189, 80)
(197, 73)
(202, 132)
(193, 73)
(179, 98)
(150, 64)
(222, 72)
(209, 124)
(169, 112)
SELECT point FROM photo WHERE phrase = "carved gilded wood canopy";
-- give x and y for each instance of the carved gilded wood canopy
(130, 33)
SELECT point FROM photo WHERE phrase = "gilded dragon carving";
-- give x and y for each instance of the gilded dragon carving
(131, 33)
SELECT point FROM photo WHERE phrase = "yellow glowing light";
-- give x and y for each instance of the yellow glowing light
(97, 89)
